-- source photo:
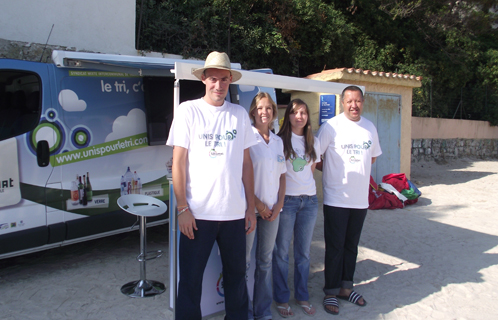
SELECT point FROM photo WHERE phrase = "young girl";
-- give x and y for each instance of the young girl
(269, 189)
(298, 215)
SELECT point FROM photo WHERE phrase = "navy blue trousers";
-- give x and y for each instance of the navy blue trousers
(342, 230)
(193, 257)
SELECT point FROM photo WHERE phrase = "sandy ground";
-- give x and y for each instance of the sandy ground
(436, 259)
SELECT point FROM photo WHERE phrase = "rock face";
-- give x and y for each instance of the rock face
(29, 51)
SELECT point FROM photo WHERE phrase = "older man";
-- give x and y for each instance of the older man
(350, 145)
(213, 181)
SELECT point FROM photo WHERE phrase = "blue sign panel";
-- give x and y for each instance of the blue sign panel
(327, 107)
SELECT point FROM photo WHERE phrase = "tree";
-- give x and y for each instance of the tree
(453, 45)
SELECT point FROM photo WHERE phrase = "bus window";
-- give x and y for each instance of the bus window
(158, 95)
(20, 102)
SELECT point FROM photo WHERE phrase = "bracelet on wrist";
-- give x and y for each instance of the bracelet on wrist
(264, 209)
(182, 210)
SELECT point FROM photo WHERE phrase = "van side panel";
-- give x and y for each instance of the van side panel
(96, 129)
(105, 142)
(24, 89)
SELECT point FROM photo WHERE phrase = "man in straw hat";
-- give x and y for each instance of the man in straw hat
(214, 187)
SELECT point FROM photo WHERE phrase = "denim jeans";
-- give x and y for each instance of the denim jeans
(194, 254)
(297, 218)
(266, 232)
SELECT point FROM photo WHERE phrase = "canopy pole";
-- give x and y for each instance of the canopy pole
(173, 249)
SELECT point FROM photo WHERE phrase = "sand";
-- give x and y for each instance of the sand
(436, 259)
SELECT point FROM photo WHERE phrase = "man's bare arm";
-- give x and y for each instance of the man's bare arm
(186, 220)
(248, 181)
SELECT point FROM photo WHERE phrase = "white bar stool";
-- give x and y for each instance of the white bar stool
(143, 206)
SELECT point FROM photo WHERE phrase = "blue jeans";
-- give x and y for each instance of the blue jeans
(266, 231)
(297, 218)
(194, 254)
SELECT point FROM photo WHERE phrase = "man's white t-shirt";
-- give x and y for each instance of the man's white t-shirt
(299, 178)
(349, 147)
(268, 161)
(215, 138)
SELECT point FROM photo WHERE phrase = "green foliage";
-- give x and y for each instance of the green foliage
(453, 45)
(489, 69)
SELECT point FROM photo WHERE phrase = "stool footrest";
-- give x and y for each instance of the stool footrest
(150, 255)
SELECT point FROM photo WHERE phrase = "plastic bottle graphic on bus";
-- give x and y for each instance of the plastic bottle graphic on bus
(123, 186)
(130, 183)
(139, 186)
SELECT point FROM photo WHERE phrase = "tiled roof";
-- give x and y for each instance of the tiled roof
(361, 72)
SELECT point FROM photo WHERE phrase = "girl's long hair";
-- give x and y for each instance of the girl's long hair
(286, 132)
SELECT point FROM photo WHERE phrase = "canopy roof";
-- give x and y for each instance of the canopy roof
(182, 69)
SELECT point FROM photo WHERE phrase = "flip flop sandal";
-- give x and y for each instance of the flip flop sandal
(331, 302)
(288, 309)
(354, 298)
(306, 309)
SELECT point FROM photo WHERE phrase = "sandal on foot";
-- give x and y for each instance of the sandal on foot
(306, 309)
(331, 302)
(354, 298)
(288, 309)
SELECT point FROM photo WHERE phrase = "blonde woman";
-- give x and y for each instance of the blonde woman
(269, 188)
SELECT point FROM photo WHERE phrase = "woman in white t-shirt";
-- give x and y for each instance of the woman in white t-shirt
(300, 208)
(269, 188)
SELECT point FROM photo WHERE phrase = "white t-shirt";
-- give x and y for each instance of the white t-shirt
(299, 178)
(215, 138)
(349, 147)
(268, 161)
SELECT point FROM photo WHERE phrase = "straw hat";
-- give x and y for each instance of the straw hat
(217, 60)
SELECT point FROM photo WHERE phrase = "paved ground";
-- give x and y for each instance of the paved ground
(436, 259)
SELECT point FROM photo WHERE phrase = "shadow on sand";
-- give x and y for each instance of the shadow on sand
(447, 173)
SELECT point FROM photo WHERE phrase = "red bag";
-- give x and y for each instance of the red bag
(397, 180)
(380, 199)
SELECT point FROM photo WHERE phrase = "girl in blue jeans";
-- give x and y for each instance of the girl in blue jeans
(300, 208)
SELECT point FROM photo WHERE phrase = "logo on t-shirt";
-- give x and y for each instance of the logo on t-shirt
(353, 160)
(280, 158)
(298, 164)
(214, 140)
(213, 153)
(300, 161)
(357, 149)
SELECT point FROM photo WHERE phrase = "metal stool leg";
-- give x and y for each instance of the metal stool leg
(143, 288)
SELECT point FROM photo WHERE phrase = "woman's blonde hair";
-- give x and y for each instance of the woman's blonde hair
(254, 105)
(285, 132)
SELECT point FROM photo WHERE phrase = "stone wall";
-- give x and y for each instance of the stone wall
(447, 149)
(28, 50)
